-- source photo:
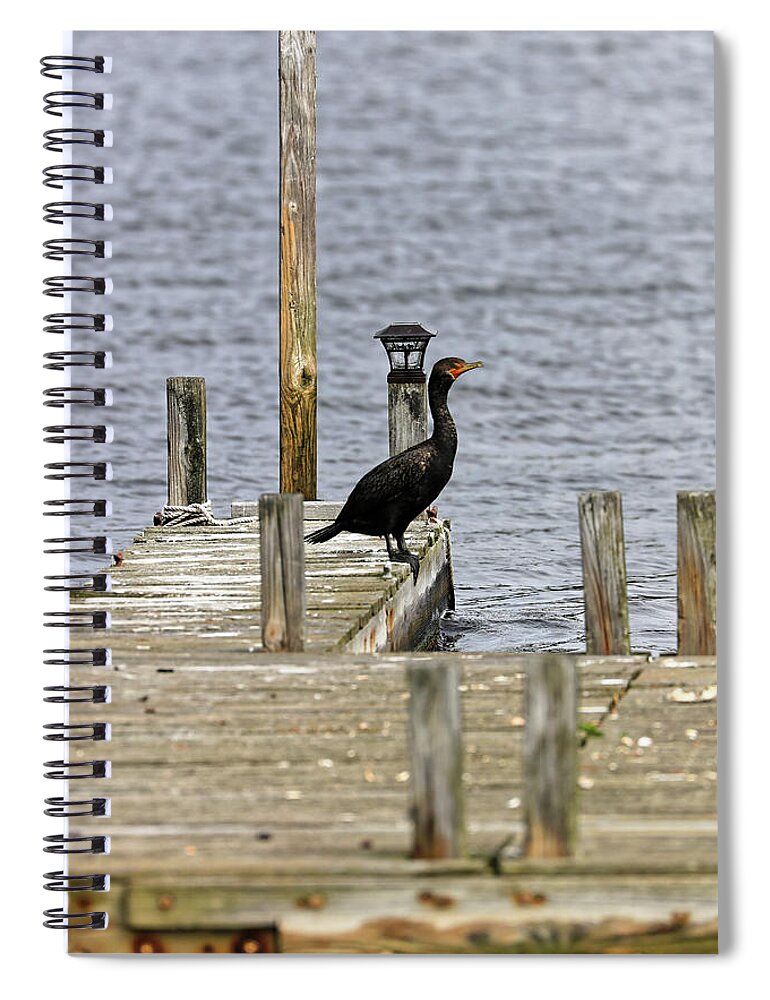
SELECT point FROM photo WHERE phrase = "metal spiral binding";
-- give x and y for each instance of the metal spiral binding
(54, 65)
(69, 583)
(62, 173)
(59, 433)
(59, 249)
(58, 211)
(69, 249)
(99, 656)
(72, 508)
(57, 361)
(58, 920)
(94, 694)
(58, 100)
(61, 284)
(77, 620)
(100, 471)
(65, 808)
(67, 395)
(98, 545)
(64, 323)
(57, 138)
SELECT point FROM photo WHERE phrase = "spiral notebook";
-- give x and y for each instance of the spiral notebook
(302, 717)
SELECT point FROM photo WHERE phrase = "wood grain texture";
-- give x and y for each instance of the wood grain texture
(180, 587)
(186, 440)
(441, 911)
(297, 266)
(407, 415)
(550, 756)
(696, 573)
(604, 573)
(312, 751)
(282, 569)
(250, 789)
(436, 759)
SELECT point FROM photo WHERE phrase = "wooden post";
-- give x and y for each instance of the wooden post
(604, 573)
(550, 756)
(407, 414)
(435, 739)
(186, 439)
(297, 266)
(282, 567)
(696, 573)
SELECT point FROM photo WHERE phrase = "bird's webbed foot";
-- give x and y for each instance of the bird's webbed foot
(403, 555)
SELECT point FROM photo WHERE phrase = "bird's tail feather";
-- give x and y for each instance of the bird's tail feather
(323, 534)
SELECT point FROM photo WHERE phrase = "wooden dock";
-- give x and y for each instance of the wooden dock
(261, 803)
(358, 796)
(181, 587)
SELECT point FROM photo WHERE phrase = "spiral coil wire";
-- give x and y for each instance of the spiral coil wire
(53, 66)
(57, 138)
(69, 249)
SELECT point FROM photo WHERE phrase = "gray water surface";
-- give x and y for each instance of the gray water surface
(544, 200)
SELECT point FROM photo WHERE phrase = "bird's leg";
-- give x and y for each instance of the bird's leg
(392, 554)
(405, 555)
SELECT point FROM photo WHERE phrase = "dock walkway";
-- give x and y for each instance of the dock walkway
(182, 586)
(262, 800)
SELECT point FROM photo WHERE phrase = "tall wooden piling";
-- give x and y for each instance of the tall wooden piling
(407, 414)
(297, 267)
(186, 440)
(550, 756)
(435, 740)
(696, 573)
(605, 591)
(282, 567)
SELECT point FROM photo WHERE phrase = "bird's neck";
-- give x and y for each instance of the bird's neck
(444, 430)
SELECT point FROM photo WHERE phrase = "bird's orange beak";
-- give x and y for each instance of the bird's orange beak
(465, 367)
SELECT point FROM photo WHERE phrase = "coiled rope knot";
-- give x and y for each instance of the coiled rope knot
(193, 515)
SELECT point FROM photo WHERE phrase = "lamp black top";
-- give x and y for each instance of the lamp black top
(405, 344)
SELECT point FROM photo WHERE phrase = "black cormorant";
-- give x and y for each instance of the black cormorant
(389, 497)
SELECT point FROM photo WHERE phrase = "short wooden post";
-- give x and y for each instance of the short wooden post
(186, 439)
(604, 573)
(282, 567)
(550, 756)
(435, 739)
(297, 264)
(696, 573)
(407, 414)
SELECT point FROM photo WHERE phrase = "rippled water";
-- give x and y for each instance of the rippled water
(543, 199)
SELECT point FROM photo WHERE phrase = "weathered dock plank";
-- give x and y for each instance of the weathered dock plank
(443, 912)
(203, 582)
(275, 789)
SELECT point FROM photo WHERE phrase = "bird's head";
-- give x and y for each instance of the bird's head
(448, 369)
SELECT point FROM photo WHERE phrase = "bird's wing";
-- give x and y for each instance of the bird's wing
(396, 477)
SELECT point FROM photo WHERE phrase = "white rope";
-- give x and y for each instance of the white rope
(195, 515)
